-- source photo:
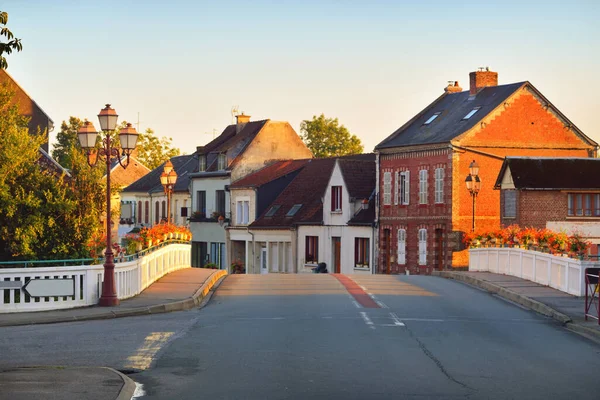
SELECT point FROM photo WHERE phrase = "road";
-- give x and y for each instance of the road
(320, 337)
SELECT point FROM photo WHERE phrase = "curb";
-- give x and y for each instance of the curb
(524, 301)
(180, 305)
(128, 389)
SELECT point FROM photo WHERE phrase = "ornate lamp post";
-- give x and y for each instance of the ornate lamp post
(87, 139)
(168, 179)
(473, 185)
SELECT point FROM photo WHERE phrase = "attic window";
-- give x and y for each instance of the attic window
(272, 210)
(432, 118)
(471, 113)
(293, 210)
(202, 163)
(222, 162)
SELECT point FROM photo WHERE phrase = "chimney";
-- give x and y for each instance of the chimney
(241, 121)
(482, 78)
(452, 87)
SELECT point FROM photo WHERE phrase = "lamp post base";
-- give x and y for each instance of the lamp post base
(108, 301)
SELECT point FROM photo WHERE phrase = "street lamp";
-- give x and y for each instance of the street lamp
(473, 185)
(168, 179)
(87, 139)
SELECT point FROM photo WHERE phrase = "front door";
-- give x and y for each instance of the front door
(439, 236)
(337, 252)
(386, 250)
(264, 269)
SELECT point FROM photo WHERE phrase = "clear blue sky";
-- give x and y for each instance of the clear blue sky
(373, 64)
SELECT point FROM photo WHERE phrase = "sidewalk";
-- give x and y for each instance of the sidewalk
(179, 290)
(545, 300)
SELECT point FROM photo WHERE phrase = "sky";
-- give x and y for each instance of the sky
(179, 66)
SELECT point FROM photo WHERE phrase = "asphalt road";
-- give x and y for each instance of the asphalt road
(307, 337)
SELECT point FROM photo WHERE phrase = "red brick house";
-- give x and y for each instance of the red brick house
(562, 194)
(424, 206)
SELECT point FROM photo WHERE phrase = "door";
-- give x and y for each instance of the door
(337, 252)
(439, 238)
(386, 251)
(264, 269)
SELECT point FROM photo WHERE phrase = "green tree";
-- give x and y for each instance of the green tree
(67, 141)
(10, 43)
(326, 138)
(152, 151)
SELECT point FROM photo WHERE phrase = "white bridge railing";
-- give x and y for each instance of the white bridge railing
(131, 278)
(562, 273)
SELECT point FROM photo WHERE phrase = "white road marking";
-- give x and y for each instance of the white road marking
(396, 320)
(367, 320)
(139, 391)
(382, 304)
(356, 304)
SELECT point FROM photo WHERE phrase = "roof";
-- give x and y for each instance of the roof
(542, 173)
(125, 176)
(269, 173)
(150, 183)
(308, 189)
(453, 107)
(359, 176)
(229, 142)
(365, 217)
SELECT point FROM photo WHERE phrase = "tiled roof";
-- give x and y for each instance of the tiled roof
(453, 107)
(539, 173)
(365, 217)
(150, 183)
(307, 189)
(269, 173)
(231, 142)
(126, 176)
(359, 176)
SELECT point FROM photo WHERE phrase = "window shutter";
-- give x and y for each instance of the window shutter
(333, 192)
(396, 188)
(407, 188)
(246, 212)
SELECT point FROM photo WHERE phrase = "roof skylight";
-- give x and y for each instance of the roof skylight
(432, 118)
(272, 210)
(471, 113)
(293, 210)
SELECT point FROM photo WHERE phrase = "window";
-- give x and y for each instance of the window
(401, 246)
(336, 198)
(272, 210)
(293, 210)
(217, 254)
(510, 203)
(387, 188)
(583, 204)
(201, 201)
(242, 211)
(404, 187)
(156, 212)
(139, 213)
(199, 254)
(202, 163)
(184, 212)
(220, 202)
(147, 212)
(361, 252)
(311, 254)
(423, 186)
(471, 113)
(439, 185)
(422, 246)
(164, 210)
(222, 162)
(432, 118)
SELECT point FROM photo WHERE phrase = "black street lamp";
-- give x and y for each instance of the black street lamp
(473, 185)
(87, 139)
(168, 179)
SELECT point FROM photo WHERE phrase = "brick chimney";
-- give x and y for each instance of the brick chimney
(482, 78)
(241, 121)
(452, 87)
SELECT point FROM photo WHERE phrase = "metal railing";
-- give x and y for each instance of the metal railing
(592, 294)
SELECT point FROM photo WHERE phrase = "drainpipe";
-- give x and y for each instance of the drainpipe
(251, 234)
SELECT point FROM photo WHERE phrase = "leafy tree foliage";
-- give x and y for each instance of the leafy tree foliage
(152, 151)
(11, 43)
(326, 138)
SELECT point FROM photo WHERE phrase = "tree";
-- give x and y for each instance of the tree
(326, 138)
(12, 43)
(152, 151)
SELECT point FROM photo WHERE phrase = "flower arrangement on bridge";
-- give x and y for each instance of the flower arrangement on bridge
(528, 236)
(96, 244)
(578, 244)
(162, 232)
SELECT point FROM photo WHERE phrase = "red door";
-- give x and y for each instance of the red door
(337, 252)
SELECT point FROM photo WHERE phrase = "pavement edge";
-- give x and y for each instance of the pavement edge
(525, 301)
(128, 389)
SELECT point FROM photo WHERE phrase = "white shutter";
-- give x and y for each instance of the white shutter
(401, 246)
(246, 212)
(407, 188)
(396, 188)
(387, 188)
(238, 214)
(422, 246)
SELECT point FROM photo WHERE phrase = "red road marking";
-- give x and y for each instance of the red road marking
(356, 291)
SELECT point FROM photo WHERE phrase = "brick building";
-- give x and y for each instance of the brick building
(424, 206)
(562, 194)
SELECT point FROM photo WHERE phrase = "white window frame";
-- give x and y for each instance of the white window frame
(439, 185)
(422, 246)
(387, 188)
(242, 215)
(401, 246)
(202, 163)
(423, 175)
(404, 188)
(222, 161)
(336, 194)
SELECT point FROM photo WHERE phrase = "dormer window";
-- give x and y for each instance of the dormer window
(471, 113)
(222, 162)
(202, 163)
(432, 118)
(272, 210)
(293, 210)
